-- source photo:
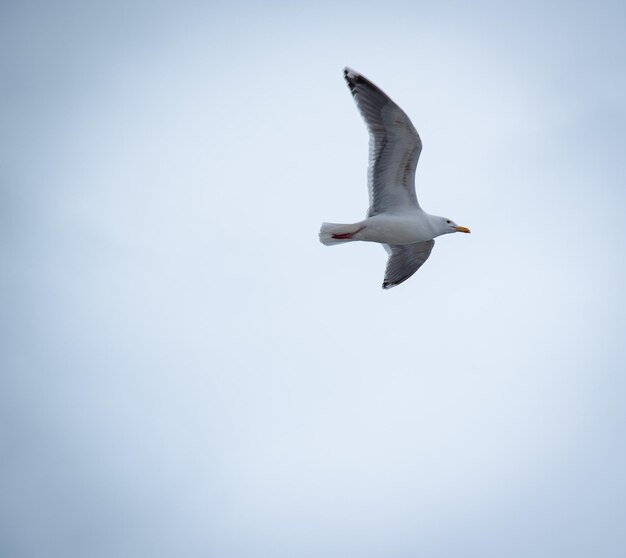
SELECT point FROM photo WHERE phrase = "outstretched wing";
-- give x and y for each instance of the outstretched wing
(404, 260)
(395, 147)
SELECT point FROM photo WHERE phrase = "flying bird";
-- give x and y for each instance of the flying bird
(395, 218)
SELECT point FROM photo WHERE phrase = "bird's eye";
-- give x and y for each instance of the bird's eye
(448, 222)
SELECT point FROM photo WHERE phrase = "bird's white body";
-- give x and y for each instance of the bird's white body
(403, 228)
(407, 227)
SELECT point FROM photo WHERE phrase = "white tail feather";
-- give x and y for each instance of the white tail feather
(329, 229)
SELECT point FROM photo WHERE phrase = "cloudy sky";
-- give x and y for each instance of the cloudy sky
(186, 371)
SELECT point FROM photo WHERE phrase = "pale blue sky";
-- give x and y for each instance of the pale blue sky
(186, 371)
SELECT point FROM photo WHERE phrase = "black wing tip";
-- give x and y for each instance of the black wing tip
(354, 78)
(351, 77)
(388, 285)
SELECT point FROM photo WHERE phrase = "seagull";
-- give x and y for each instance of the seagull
(395, 218)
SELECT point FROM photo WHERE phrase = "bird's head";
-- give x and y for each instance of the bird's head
(449, 226)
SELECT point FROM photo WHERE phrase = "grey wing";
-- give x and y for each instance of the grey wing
(404, 260)
(395, 147)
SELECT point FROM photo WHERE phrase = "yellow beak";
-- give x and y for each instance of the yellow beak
(462, 229)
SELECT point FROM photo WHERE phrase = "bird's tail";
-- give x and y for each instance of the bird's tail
(337, 233)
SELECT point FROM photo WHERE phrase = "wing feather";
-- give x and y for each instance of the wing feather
(404, 261)
(394, 147)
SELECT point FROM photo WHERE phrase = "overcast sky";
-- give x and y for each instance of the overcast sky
(186, 371)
